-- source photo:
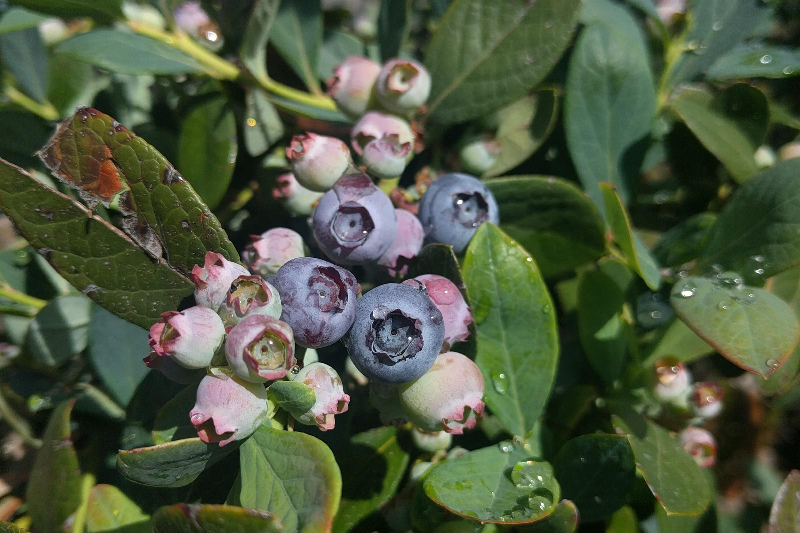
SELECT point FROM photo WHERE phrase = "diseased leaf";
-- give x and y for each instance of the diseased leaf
(588, 466)
(59, 331)
(373, 464)
(291, 475)
(101, 158)
(256, 36)
(100, 10)
(756, 60)
(128, 53)
(51, 504)
(204, 518)
(671, 473)
(524, 126)
(517, 340)
(603, 332)
(758, 231)
(718, 132)
(297, 35)
(609, 102)
(783, 517)
(110, 510)
(207, 148)
(116, 349)
(24, 55)
(751, 327)
(552, 219)
(172, 464)
(639, 259)
(485, 55)
(498, 484)
(88, 252)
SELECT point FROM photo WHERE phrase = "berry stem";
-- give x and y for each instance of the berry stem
(44, 110)
(20, 297)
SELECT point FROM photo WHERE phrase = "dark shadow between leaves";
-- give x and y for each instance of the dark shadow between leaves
(363, 471)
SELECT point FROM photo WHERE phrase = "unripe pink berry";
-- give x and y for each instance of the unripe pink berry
(190, 337)
(706, 399)
(386, 157)
(329, 392)
(318, 161)
(449, 396)
(271, 250)
(700, 444)
(228, 409)
(297, 199)
(352, 84)
(448, 299)
(249, 295)
(212, 280)
(403, 86)
(260, 348)
(376, 125)
(673, 380)
(406, 245)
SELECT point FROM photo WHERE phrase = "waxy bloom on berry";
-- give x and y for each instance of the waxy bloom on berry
(403, 86)
(297, 199)
(190, 337)
(406, 244)
(228, 409)
(352, 83)
(318, 161)
(448, 299)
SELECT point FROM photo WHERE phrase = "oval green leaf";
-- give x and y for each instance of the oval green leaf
(485, 55)
(786, 507)
(100, 10)
(172, 422)
(291, 475)
(294, 396)
(297, 36)
(262, 124)
(498, 484)
(756, 60)
(564, 519)
(603, 332)
(597, 473)
(750, 327)
(60, 330)
(517, 339)
(552, 219)
(786, 286)
(110, 510)
(204, 518)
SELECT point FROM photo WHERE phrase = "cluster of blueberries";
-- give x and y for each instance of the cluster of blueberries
(243, 330)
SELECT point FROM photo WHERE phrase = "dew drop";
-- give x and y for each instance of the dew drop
(500, 383)
(546, 308)
(506, 446)
(772, 363)
(724, 305)
(766, 59)
(688, 290)
(788, 70)
(656, 314)
(717, 25)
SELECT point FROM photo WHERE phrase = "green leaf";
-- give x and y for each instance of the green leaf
(292, 475)
(172, 422)
(751, 327)
(758, 231)
(17, 18)
(59, 331)
(24, 55)
(517, 340)
(8, 527)
(684, 242)
(677, 340)
(54, 490)
(675, 479)
(597, 473)
(262, 124)
(722, 135)
(100, 157)
(194, 518)
(297, 36)
(373, 464)
(336, 47)
(552, 219)
(639, 259)
(524, 126)
(393, 27)
(83, 249)
(110, 510)
(756, 60)
(623, 521)
(128, 53)
(494, 485)
(786, 286)
(172, 464)
(100, 10)
(486, 55)
(439, 259)
(786, 507)
(610, 102)
(72, 82)
(603, 332)
(647, 7)
(207, 148)
(294, 396)
(564, 519)
(687, 524)
(254, 43)
(716, 27)
(116, 349)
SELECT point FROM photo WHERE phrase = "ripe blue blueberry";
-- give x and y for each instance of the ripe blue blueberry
(453, 207)
(355, 222)
(318, 298)
(396, 335)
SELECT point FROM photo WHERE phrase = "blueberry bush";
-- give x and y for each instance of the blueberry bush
(430, 266)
